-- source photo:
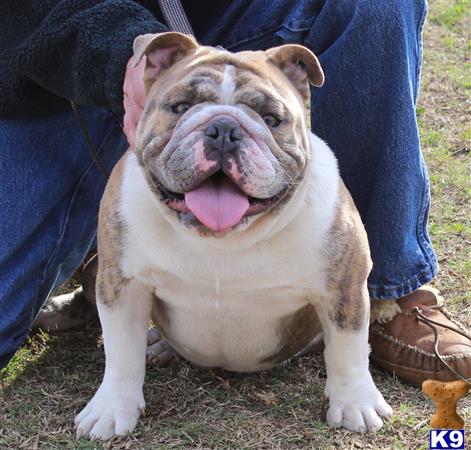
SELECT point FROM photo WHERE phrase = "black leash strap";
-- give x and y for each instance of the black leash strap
(175, 16)
(91, 146)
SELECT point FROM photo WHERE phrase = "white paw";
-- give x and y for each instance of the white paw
(356, 406)
(113, 411)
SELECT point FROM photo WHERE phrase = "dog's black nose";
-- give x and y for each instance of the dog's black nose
(224, 135)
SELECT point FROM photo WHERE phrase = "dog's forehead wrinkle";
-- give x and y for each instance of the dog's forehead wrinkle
(240, 60)
(247, 76)
(206, 72)
(209, 75)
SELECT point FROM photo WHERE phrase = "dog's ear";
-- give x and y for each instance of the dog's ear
(299, 64)
(161, 51)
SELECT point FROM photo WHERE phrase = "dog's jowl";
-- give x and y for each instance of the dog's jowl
(230, 226)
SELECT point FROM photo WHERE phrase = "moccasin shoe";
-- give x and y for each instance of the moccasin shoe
(405, 346)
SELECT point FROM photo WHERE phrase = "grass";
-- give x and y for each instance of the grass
(52, 377)
(444, 117)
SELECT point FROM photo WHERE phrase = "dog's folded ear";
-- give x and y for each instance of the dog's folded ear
(161, 51)
(299, 65)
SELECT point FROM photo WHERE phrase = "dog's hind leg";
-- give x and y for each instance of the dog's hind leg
(74, 309)
(159, 352)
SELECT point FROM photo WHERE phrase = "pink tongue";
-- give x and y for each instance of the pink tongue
(217, 205)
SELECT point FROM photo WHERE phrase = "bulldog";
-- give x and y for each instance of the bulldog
(230, 227)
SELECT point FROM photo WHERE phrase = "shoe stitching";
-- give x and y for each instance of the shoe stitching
(415, 348)
(447, 314)
(395, 368)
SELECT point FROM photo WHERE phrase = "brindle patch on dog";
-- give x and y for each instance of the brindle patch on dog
(111, 232)
(349, 254)
(161, 314)
(296, 331)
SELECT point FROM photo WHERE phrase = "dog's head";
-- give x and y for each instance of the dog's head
(223, 138)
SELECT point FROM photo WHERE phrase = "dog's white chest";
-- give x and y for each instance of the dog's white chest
(240, 331)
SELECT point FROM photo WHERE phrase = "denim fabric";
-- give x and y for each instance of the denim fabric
(49, 195)
(370, 51)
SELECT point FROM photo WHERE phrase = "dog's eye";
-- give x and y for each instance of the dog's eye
(271, 120)
(180, 108)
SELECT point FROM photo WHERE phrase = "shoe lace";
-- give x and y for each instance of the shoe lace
(433, 324)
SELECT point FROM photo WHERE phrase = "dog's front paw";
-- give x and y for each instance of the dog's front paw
(357, 406)
(113, 411)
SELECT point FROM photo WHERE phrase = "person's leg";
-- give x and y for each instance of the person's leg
(370, 51)
(49, 195)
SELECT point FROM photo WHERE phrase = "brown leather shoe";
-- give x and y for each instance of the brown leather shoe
(405, 345)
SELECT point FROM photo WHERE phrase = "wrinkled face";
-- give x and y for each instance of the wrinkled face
(222, 139)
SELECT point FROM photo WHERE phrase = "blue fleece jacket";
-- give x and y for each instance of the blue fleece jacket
(55, 50)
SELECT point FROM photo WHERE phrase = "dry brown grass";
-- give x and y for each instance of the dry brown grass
(52, 377)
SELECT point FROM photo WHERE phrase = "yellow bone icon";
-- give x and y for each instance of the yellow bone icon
(445, 395)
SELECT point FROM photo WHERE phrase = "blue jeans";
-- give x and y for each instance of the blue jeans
(370, 51)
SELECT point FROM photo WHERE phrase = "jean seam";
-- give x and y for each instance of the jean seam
(423, 206)
(62, 229)
(65, 222)
(421, 222)
(420, 28)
